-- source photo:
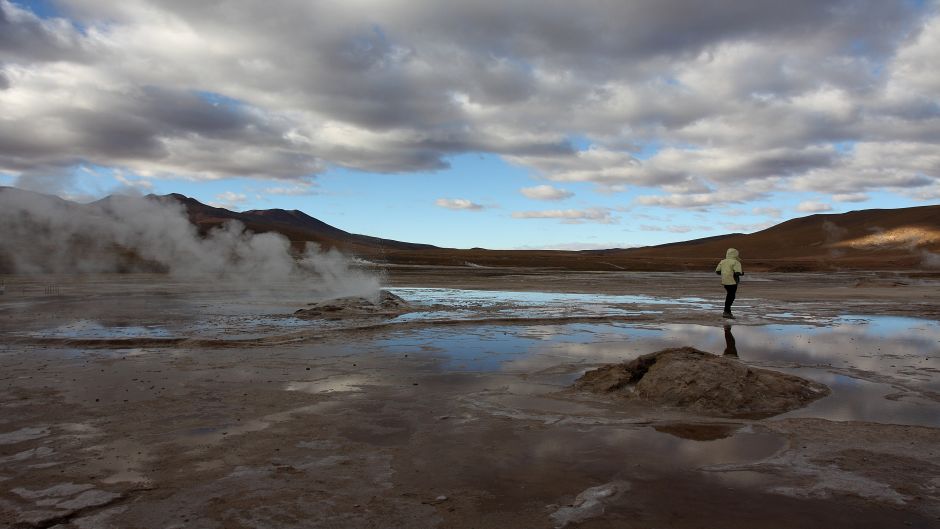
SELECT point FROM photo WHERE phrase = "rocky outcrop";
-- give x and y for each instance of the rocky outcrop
(703, 383)
(385, 304)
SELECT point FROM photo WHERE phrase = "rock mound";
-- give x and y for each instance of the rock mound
(385, 304)
(703, 383)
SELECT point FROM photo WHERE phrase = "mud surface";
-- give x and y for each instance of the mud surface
(130, 401)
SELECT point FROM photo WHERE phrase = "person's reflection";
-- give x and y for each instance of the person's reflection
(730, 348)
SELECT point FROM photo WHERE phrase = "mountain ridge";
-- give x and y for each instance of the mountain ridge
(297, 226)
(901, 238)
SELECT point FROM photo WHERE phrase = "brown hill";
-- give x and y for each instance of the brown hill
(873, 238)
(905, 238)
(294, 224)
(876, 239)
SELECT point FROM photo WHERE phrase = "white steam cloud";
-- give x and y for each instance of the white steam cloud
(929, 259)
(834, 234)
(43, 234)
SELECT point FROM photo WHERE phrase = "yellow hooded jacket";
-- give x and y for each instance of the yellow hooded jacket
(728, 266)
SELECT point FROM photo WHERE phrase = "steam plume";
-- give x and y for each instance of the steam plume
(929, 259)
(834, 234)
(44, 234)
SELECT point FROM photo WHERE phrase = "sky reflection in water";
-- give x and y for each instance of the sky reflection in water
(862, 358)
(480, 304)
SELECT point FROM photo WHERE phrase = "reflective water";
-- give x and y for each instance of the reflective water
(87, 329)
(483, 298)
(224, 327)
(257, 318)
(466, 304)
(881, 369)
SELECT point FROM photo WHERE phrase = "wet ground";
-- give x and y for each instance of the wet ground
(132, 401)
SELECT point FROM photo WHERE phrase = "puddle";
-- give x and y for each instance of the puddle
(698, 431)
(880, 369)
(447, 303)
(855, 399)
(742, 446)
(906, 349)
(335, 384)
(546, 462)
(262, 318)
(484, 298)
(87, 329)
(217, 327)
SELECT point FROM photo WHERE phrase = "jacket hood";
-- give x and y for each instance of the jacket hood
(731, 254)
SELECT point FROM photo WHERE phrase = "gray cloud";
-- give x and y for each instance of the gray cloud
(701, 201)
(677, 228)
(546, 192)
(299, 189)
(152, 130)
(229, 200)
(746, 228)
(575, 246)
(768, 211)
(850, 197)
(812, 206)
(458, 204)
(26, 37)
(753, 93)
(571, 216)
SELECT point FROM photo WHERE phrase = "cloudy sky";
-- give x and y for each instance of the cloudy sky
(495, 123)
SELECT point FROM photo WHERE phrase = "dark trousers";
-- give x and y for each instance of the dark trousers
(729, 297)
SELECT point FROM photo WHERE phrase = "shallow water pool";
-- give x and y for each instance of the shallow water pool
(449, 303)
(880, 369)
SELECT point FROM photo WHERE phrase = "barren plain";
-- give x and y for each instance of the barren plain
(137, 401)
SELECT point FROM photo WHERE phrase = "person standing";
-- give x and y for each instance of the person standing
(730, 271)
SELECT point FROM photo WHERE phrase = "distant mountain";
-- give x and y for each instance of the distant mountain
(903, 235)
(904, 238)
(294, 224)
(875, 239)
